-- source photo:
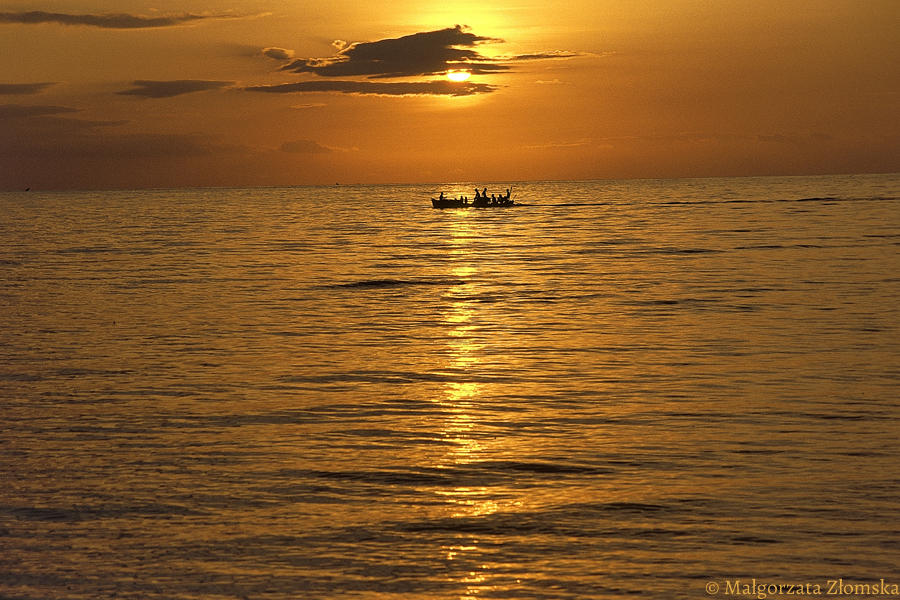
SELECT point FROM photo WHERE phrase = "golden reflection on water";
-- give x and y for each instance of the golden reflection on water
(463, 350)
(463, 392)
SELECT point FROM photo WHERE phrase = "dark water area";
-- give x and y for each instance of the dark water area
(656, 389)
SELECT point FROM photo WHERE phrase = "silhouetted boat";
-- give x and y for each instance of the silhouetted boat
(479, 202)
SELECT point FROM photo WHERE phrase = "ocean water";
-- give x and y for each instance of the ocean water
(655, 389)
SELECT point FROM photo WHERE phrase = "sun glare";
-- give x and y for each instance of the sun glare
(458, 75)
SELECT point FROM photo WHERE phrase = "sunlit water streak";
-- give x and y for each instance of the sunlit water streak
(616, 388)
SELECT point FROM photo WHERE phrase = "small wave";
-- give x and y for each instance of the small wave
(680, 251)
(566, 204)
(393, 378)
(749, 539)
(5, 376)
(633, 507)
(394, 283)
(558, 468)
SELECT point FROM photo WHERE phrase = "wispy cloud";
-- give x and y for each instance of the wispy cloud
(795, 140)
(169, 89)
(565, 144)
(23, 89)
(304, 147)
(107, 20)
(541, 56)
(278, 53)
(401, 88)
(13, 117)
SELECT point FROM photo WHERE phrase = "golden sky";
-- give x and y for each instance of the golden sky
(100, 93)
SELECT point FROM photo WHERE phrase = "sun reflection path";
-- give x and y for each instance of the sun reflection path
(464, 347)
(464, 393)
(461, 392)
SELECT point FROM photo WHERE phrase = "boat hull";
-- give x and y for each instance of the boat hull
(477, 203)
(448, 203)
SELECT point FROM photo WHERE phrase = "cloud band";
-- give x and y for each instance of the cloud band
(104, 21)
(169, 89)
(401, 88)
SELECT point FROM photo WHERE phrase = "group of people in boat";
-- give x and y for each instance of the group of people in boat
(482, 199)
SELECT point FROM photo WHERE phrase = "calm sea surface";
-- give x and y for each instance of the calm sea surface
(634, 388)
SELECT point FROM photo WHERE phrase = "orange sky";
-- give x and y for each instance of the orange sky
(103, 94)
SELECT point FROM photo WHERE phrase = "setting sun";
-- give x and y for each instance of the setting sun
(458, 75)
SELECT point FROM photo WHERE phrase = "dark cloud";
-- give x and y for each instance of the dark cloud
(404, 88)
(168, 89)
(304, 147)
(425, 54)
(106, 20)
(23, 89)
(20, 111)
(416, 55)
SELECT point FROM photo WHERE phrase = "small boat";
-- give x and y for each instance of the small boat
(478, 202)
(449, 203)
